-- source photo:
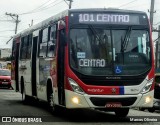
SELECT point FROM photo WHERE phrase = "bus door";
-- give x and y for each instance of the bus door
(14, 63)
(25, 64)
(34, 63)
(43, 63)
(16, 67)
(60, 67)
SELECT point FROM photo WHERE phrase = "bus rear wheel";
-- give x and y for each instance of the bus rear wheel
(122, 112)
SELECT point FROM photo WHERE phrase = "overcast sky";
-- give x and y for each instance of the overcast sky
(39, 10)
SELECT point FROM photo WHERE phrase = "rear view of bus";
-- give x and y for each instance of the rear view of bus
(110, 60)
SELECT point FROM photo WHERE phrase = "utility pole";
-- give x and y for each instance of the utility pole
(152, 12)
(15, 19)
(157, 50)
(70, 3)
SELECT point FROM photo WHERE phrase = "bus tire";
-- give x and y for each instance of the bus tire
(141, 109)
(122, 112)
(151, 109)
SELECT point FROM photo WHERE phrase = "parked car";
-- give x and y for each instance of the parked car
(5, 78)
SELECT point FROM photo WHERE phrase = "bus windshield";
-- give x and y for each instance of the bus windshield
(103, 51)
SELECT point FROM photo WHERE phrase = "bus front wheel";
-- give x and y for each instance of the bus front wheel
(122, 112)
(151, 109)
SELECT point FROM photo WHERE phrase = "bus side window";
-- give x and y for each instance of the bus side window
(29, 46)
(43, 43)
(52, 41)
(23, 50)
(26, 43)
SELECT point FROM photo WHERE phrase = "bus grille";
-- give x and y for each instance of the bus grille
(103, 101)
(125, 82)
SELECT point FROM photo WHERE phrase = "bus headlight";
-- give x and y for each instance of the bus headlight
(75, 86)
(75, 100)
(147, 87)
(148, 99)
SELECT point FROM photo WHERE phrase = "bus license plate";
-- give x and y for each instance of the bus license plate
(113, 105)
(5, 83)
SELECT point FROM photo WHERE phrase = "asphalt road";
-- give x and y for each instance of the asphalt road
(12, 106)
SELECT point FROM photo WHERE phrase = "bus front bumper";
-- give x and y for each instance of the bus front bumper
(75, 100)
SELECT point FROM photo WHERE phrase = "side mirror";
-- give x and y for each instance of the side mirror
(62, 28)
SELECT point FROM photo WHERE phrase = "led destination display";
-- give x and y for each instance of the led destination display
(108, 18)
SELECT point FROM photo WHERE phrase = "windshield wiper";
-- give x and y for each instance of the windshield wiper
(124, 43)
(95, 33)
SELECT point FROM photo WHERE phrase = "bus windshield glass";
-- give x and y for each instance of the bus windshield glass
(102, 51)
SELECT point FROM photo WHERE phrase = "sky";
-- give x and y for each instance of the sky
(39, 10)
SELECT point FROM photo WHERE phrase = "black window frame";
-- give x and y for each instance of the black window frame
(43, 52)
(52, 40)
(43, 43)
(26, 45)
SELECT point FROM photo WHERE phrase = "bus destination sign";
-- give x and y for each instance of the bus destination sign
(108, 18)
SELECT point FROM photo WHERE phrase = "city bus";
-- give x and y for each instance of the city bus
(100, 59)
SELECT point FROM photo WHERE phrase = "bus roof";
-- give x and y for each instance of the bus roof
(65, 13)
(107, 10)
(43, 23)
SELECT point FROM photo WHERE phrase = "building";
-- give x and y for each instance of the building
(5, 52)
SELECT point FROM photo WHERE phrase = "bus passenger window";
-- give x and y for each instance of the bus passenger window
(53, 32)
(43, 49)
(52, 41)
(29, 46)
(43, 44)
(51, 49)
(23, 49)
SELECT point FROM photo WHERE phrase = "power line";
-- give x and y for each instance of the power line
(35, 8)
(127, 3)
(5, 36)
(6, 20)
(47, 7)
(42, 5)
(41, 9)
(140, 5)
(6, 30)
